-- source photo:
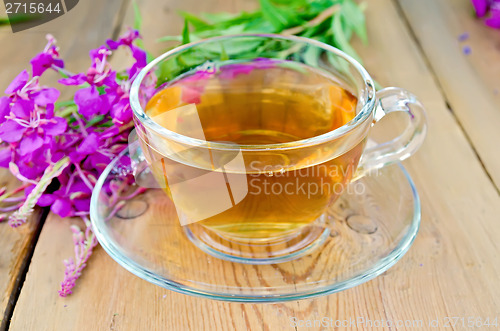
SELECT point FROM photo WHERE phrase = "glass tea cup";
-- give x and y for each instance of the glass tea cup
(252, 150)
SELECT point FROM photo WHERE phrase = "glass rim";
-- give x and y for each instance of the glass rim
(368, 106)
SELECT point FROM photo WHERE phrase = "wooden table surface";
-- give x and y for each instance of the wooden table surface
(453, 268)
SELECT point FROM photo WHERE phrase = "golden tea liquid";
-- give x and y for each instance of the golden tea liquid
(256, 104)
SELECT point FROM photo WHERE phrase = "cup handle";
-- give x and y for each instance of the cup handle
(394, 99)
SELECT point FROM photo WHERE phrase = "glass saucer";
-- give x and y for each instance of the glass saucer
(369, 228)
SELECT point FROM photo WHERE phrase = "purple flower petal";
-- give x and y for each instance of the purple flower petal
(139, 55)
(230, 71)
(49, 110)
(79, 186)
(28, 190)
(40, 63)
(78, 79)
(11, 131)
(190, 95)
(89, 102)
(4, 108)
(493, 22)
(97, 161)
(61, 207)
(30, 143)
(46, 200)
(30, 169)
(56, 126)
(113, 44)
(96, 54)
(56, 156)
(5, 157)
(126, 39)
(110, 80)
(89, 145)
(264, 62)
(22, 108)
(18, 82)
(110, 132)
(121, 112)
(106, 102)
(46, 96)
(82, 204)
(59, 63)
(140, 60)
(480, 6)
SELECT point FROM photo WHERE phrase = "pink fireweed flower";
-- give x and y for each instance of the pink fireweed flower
(138, 54)
(84, 244)
(489, 9)
(480, 6)
(194, 85)
(69, 199)
(49, 58)
(494, 20)
(89, 100)
(28, 126)
(65, 148)
(232, 70)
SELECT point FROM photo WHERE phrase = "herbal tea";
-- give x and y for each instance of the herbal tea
(259, 103)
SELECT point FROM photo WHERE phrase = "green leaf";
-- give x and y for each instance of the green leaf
(279, 18)
(340, 65)
(316, 7)
(258, 26)
(242, 18)
(66, 111)
(60, 104)
(218, 17)
(291, 2)
(223, 53)
(318, 30)
(192, 58)
(94, 120)
(311, 56)
(167, 70)
(195, 21)
(149, 57)
(272, 17)
(340, 38)
(235, 29)
(19, 18)
(235, 47)
(353, 16)
(137, 16)
(185, 33)
(169, 38)
(101, 90)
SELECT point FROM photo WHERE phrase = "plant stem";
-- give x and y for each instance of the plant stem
(17, 190)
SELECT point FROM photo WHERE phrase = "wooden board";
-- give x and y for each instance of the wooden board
(17, 50)
(449, 272)
(18, 245)
(470, 83)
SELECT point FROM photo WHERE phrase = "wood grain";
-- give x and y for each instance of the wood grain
(451, 269)
(470, 83)
(18, 245)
